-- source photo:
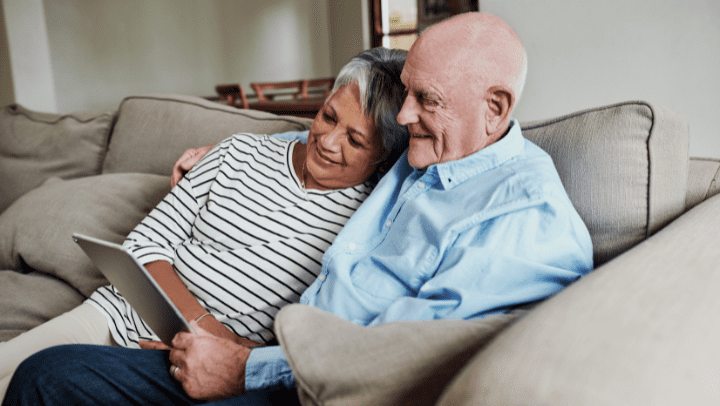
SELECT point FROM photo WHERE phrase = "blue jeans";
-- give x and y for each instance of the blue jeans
(98, 375)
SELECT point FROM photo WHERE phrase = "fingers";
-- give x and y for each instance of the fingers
(175, 372)
(187, 160)
(183, 165)
(153, 345)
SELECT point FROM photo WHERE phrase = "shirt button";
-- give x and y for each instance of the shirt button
(351, 246)
(421, 184)
(321, 277)
(388, 224)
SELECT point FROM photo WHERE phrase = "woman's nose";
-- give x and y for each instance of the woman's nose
(330, 141)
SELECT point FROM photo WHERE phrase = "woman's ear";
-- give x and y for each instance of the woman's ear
(501, 101)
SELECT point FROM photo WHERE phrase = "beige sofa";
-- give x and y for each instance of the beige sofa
(640, 329)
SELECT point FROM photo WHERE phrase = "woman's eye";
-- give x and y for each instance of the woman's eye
(353, 142)
(328, 117)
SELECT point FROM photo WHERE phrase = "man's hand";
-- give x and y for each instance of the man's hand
(208, 367)
(187, 160)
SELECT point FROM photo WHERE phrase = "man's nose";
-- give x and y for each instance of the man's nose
(409, 112)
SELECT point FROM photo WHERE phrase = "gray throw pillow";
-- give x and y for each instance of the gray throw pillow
(336, 362)
(35, 232)
(624, 167)
(35, 146)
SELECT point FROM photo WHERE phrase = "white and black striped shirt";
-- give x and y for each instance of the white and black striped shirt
(242, 234)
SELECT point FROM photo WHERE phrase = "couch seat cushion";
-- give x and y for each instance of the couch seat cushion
(35, 146)
(35, 232)
(30, 299)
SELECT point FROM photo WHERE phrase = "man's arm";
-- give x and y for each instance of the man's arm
(192, 156)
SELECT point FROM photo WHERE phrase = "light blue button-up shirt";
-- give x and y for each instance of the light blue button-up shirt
(463, 239)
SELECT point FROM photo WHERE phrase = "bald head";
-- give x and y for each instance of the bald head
(479, 49)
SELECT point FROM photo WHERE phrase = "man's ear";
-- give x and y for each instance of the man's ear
(501, 101)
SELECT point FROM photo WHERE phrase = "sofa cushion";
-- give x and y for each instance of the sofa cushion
(624, 166)
(35, 232)
(30, 299)
(35, 146)
(336, 362)
(640, 330)
(153, 131)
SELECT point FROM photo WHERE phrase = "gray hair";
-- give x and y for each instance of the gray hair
(377, 74)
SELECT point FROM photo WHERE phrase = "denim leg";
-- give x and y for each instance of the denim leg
(93, 375)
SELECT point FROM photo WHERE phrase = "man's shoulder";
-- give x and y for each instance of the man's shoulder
(529, 176)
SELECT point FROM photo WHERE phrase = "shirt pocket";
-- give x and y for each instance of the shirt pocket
(395, 269)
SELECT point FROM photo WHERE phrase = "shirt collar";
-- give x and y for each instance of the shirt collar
(455, 172)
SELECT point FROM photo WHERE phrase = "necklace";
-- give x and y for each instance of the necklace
(303, 180)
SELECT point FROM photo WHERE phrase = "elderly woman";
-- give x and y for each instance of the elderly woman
(244, 232)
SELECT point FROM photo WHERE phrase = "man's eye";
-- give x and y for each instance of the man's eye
(328, 117)
(353, 142)
(429, 102)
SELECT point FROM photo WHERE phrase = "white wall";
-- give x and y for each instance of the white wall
(349, 23)
(585, 53)
(29, 55)
(104, 50)
(7, 93)
(582, 53)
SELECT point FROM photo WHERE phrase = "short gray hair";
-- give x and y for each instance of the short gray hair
(377, 74)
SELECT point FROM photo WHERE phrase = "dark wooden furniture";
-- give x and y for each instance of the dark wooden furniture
(302, 98)
(299, 89)
(300, 108)
(233, 95)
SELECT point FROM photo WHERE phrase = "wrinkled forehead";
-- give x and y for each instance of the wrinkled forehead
(431, 69)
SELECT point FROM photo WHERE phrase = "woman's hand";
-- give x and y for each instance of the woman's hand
(187, 160)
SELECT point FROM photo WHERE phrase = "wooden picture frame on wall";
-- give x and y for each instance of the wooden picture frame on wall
(434, 11)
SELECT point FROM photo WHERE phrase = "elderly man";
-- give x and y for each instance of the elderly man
(473, 220)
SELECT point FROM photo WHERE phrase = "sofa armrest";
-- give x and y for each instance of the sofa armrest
(639, 330)
(703, 180)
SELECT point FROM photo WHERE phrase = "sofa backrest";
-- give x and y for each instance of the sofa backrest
(151, 132)
(624, 166)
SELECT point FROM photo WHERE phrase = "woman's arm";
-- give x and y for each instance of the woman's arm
(165, 276)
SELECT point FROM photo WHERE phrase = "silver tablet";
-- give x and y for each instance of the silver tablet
(136, 285)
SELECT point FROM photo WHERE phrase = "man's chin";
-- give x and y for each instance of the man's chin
(419, 162)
